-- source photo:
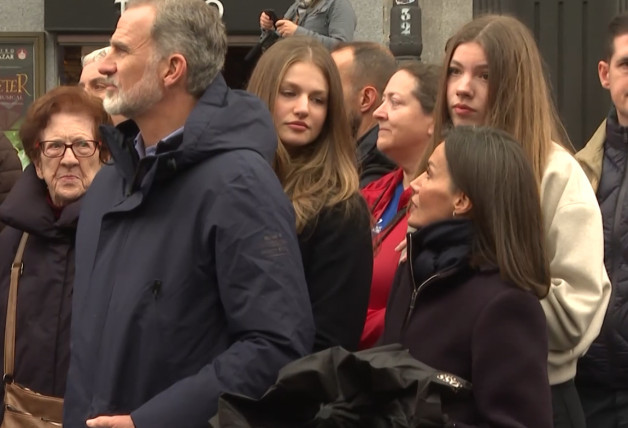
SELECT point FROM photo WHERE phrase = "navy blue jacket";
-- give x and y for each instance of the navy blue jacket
(606, 362)
(189, 280)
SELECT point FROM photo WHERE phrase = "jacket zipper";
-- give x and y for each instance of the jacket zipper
(415, 293)
(416, 290)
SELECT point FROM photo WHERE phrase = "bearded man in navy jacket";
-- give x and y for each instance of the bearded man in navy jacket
(189, 281)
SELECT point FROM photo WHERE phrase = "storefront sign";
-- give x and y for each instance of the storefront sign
(100, 16)
(21, 79)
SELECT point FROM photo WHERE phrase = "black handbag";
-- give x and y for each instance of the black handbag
(375, 388)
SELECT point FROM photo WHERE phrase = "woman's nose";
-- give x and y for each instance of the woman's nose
(464, 85)
(416, 183)
(302, 104)
(380, 112)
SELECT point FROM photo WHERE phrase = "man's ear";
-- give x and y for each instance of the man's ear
(369, 98)
(175, 71)
(462, 204)
(603, 68)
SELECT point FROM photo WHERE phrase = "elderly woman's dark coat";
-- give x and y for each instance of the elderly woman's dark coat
(45, 287)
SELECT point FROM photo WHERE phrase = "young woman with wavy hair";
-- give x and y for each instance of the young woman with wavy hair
(495, 77)
(315, 162)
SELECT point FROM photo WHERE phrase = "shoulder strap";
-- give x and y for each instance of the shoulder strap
(9, 329)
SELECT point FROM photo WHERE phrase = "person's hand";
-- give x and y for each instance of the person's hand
(400, 248)
(121, 421)
(286, 28)
(265, 22)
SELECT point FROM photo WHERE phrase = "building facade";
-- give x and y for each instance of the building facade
(570, 35)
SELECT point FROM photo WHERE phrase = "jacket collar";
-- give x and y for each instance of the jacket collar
(390, 183)
(592, 155)
(441, 246)
(222, 120)
(616, 134)
(26, 208)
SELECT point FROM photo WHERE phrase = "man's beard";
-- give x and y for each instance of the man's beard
(355, 120)
(136, 100)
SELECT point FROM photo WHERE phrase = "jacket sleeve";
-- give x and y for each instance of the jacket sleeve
(509, 363)
(338, 262)
(342, 23)
(263, 295)
(580, 288)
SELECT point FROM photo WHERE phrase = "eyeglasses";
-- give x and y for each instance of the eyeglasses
(80, 148)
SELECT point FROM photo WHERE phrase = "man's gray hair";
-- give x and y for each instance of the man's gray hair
(195, 30)
(94, 56)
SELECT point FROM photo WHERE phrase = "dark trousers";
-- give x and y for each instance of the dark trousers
(604, 408)
(568, 411)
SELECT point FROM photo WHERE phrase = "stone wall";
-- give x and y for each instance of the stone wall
(441, 18)
(372, 20)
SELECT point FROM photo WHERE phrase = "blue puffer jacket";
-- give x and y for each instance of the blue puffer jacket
(189, 280)
(604, 160)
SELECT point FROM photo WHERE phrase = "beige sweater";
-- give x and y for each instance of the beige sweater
(580, 290)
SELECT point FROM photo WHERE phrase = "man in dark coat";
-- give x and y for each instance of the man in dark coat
(189, 281)
(602, 377)
(365, 68)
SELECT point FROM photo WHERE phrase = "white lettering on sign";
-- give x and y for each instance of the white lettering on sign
(406, 26)
(216, 3)
(122, 4)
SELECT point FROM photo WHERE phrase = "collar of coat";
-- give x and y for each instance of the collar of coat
(591, 156)
(25, 208)
(222, 120)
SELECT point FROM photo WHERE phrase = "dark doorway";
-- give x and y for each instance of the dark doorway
(237, 71)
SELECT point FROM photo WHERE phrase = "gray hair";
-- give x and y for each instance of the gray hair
(94, 56)
(195, 30)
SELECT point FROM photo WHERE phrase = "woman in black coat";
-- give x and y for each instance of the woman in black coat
(315, 162)
(60, 137)
(466, 301)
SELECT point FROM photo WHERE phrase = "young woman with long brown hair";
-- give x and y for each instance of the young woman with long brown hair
(495, 77)
(316, 164)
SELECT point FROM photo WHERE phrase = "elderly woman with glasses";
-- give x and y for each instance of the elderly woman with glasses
(60, 136)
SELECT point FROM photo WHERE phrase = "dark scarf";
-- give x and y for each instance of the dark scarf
(441, 246)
